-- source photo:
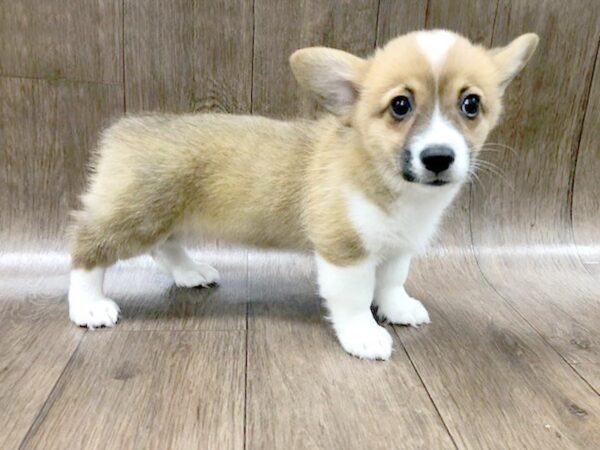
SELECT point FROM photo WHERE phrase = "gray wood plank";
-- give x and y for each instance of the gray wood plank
(48, 131)
(58, 39)
(396, 18)
(183, 56)
(36, 340)
(175, 390)
(495, 381)
(586, 189)
(473, 18)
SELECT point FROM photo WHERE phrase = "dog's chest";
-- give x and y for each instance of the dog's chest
(406, 226)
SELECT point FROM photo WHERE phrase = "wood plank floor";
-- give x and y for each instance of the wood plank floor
(252, 364)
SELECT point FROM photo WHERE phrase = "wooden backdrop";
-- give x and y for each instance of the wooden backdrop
(526, 240)
(67, 67)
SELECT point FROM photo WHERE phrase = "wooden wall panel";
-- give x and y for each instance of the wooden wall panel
(47, 129)
(186, 56)
(473, 18)
(543, 116)
(72, 39)
(347, 25)
(586, 189)
(396, 18)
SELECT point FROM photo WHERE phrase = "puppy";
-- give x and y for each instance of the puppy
(363, 187)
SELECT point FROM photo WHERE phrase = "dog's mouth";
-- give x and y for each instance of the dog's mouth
(438, 182)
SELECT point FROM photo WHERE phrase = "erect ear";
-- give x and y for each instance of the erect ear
(332, 75)
(511, 59)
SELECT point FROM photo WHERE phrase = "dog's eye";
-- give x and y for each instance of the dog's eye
(400, 107)
(470, 106)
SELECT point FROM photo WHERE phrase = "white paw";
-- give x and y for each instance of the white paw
(399, 308)
(364, 338)
(94, 313)
(199, 275)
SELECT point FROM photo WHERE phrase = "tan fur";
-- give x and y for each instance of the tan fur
(270, 183)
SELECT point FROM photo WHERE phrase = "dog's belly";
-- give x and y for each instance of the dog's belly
(406, 227)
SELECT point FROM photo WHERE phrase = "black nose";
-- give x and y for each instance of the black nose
(437, 158)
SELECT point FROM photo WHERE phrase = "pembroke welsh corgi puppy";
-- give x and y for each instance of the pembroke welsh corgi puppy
(363, 187)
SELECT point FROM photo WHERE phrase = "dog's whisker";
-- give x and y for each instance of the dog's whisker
(499, 146)
(494, 171)
(473, 177)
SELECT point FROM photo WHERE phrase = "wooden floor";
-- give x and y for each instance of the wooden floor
(511, 360)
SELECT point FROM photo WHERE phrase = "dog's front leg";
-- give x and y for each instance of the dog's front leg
(348, 292)
(392, 301)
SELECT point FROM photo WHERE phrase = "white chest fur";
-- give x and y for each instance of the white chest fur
(408, 224)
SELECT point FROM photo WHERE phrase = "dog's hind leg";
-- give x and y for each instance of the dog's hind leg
(96, 244)
(172, 258)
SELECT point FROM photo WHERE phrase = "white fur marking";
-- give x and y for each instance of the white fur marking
(348, 292)
(393, 303)
(441, 132)
(408, 226)
(173, 259)
(397, 307)
(88, 306)
(435, 45)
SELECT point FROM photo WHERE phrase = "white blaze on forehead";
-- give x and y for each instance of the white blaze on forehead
(435, 45)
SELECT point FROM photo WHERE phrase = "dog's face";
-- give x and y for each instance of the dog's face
(423, 105)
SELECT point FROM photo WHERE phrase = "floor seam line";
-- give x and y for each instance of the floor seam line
(47, 405)
(426, 389)
(58, 80)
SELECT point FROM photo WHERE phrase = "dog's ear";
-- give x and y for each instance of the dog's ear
(511, 59)
(333, 76)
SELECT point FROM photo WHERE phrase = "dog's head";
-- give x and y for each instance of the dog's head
(423, 105)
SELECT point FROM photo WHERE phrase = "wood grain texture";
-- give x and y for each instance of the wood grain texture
(496, 383)
(35, 340)
(302, 392)
(183, 56)
(522, 228)
(473, 18)
(347, 25)
(48, 130)
(396, 18)
(118, 392)
(56, 39)
(532, 205)
(586, 189)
